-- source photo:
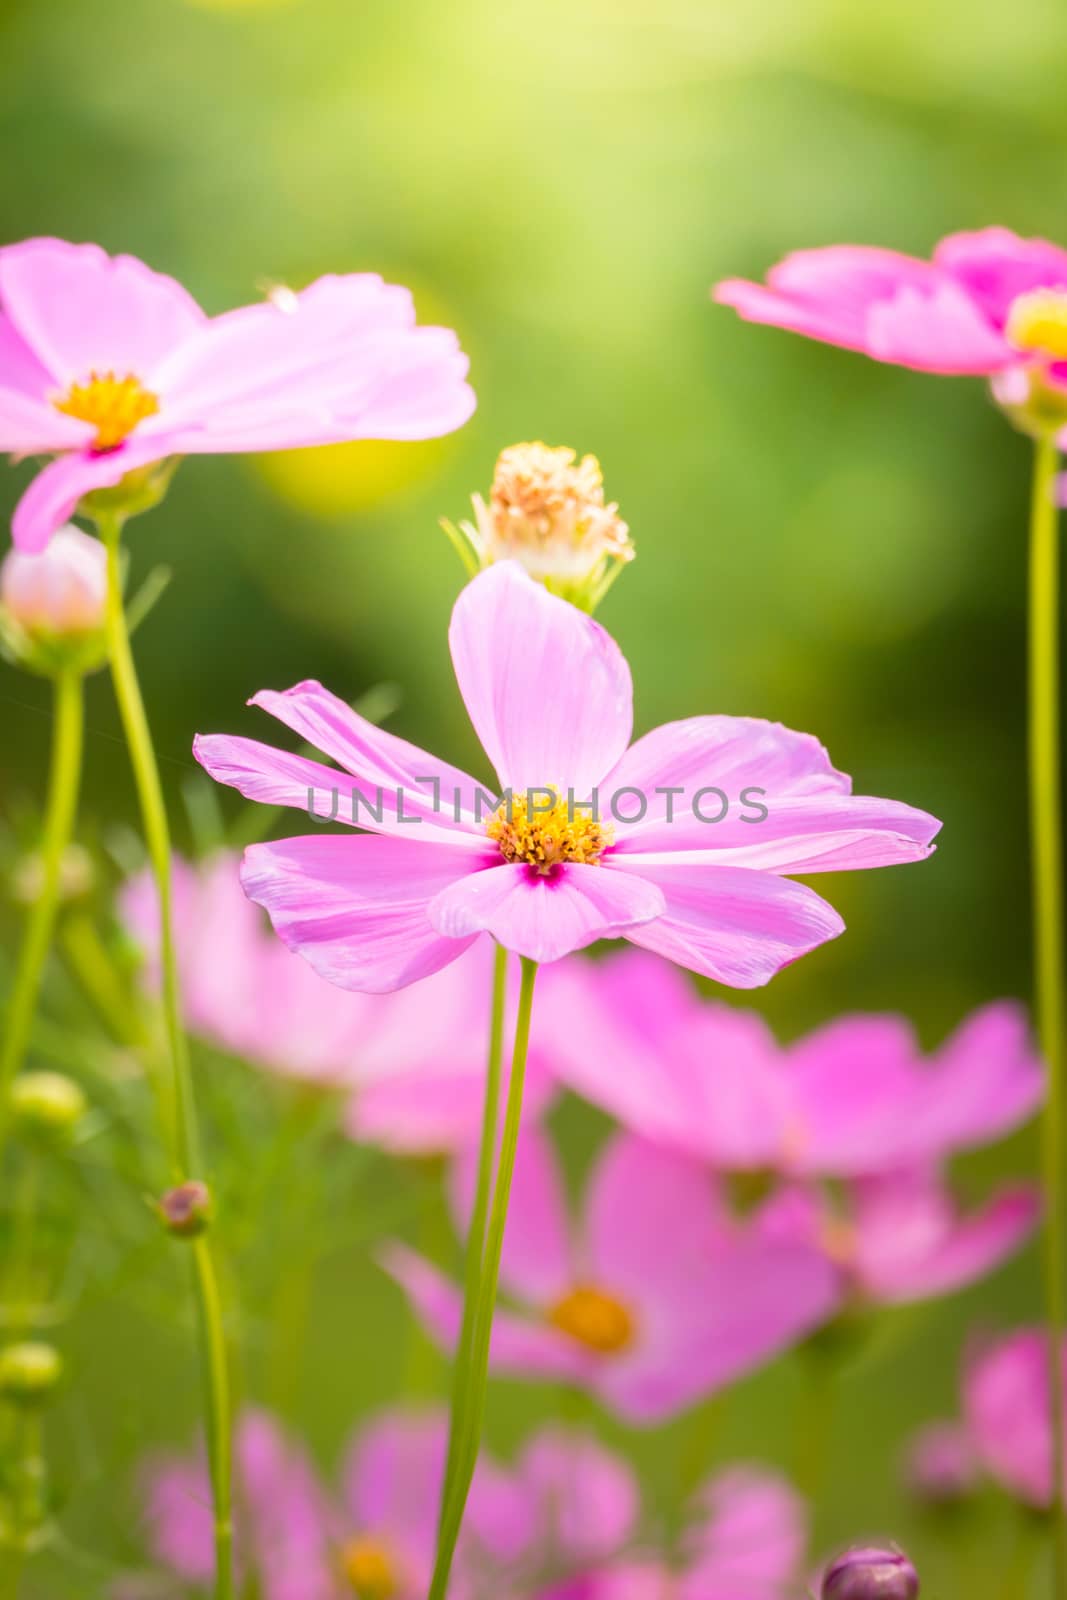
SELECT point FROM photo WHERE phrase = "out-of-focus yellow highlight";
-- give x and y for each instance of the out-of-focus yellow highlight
(336, 480)
(238, 5)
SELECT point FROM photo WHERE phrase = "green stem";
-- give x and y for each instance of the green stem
(182, 1126)
(476, 1231)
(471, 1431)
(1047, 870)
(68, 729)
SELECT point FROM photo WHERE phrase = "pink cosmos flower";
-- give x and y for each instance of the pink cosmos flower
(112, 366)
(1008, 1415)
(940, 1466)
(410, 1089)
(283, 1514)
(988, 304)
(853, 1098)
(60, 592)
(651, 1300)
(900, 1236)
(549, 694)
(746, 1531)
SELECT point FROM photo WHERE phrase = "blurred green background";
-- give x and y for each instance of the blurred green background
(821, 540)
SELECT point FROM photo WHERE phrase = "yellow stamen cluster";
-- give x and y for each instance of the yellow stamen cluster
(1038, 321)
(369, 1569)
(594, 1319)
(113, 405)
(547, 837)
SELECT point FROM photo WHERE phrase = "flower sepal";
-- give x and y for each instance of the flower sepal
(141, 489)
(1031, 402)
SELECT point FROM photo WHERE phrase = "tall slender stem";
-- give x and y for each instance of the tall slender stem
(1046, 808)
(61, 806)
(476, 1231)
(471, 1431)
(182, 1134)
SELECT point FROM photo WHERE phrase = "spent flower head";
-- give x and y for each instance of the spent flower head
(547, 510)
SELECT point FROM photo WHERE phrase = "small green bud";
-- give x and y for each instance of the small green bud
(186, 1210)
(47, 1105)
(29, 1372)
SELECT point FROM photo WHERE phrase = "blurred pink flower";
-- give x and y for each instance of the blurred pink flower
(988, 304)
(550, 696)
(113, 366)
(900, 1236)
(745, 1540)
(855, 1097)
(940, 1466)
(412, 1089)
(655, 1298)
(282, 1516)
(60, 592)
(1007, 1413)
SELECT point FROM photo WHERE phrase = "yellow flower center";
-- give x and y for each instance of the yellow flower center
(369, 1568)
(839, 1240)
(546, 830)
(1038, 321)
(113, 405)
(595, 1319)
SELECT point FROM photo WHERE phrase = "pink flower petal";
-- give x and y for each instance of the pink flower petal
(1008, 1413)
(356, 907)
(82, 311)
(911, 1245)
(538, 1262)
(548, 691)
(391, 1482)
(545, 918)
(751, 1539)
(938, 330)
(29, 423)
(985, 1081)
(53, 496)
(379, 761)
(727, 923)
(853, 1089)
(282, 778)
(587, 1497)
(995, 265)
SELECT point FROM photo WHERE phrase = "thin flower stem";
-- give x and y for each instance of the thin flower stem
(471, 1434)
(1046, 809)
(61, 806)
(181, 1129)
(476, 1231)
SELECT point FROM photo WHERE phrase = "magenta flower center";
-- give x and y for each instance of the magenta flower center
(595, 1319)
(369, 1568)
(113, 405)
(547, 829)
(1038, 321)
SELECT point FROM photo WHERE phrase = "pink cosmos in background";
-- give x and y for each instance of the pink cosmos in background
(111, 366)
(550, 696)
(940, 1465)
(1007, 1413)
(853, 1098)
(901, 1236)
(410, 1088)
(654, 1297)
(746, 1533)
(60, 592)
(566, 1502)
(988, 304)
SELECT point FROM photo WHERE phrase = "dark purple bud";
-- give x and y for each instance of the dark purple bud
(186, 1210)
(870, 1573)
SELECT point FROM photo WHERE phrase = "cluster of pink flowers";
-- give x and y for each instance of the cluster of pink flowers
(562, 1522)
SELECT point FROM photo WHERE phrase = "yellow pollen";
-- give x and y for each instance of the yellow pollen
(543, 497)
(546, 835)
(1038, 321)
(113, 405)
(369, 1569)
(839, 1241)
(594, 1319)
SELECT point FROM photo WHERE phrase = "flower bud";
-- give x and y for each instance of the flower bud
(47, 1105)
(62, 591)
(547, 511)
(29, 1372)
(186, 1210)
(870, 1573)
